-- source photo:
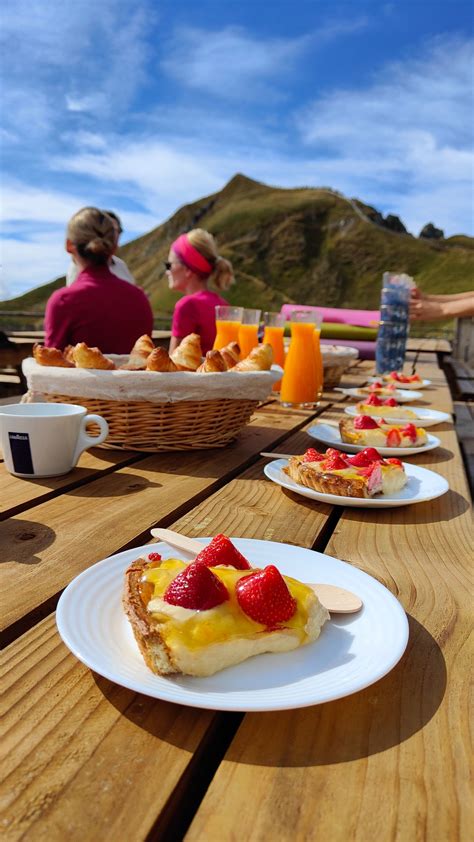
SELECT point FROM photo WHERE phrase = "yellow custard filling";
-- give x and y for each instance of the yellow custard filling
(195, 628)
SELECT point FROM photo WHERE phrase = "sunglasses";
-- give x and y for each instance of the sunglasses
(169, 265)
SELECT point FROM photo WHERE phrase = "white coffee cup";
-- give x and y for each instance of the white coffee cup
(46, 439)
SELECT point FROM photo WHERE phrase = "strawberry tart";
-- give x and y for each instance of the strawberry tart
(403, 381)
(198, 618)
(362, 475)
(384, 408)
(363, 430)
(378, 388)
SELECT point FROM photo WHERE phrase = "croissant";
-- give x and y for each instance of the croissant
(140, 352)
(188, 355)
(160, 360)
(213, 362)
(50, 356)
(86, 357)
(231, 354)
(68, 354)
(259, 359)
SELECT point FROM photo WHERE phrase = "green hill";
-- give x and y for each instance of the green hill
(302, 245)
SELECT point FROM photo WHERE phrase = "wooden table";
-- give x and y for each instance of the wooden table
(86, 759)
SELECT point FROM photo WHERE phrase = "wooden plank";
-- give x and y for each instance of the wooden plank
(266, 515)
(394, 736)
(19, 493)
(63, 536)
(83, 757)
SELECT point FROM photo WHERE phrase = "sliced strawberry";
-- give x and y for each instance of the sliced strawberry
(393, 438)
(393, 461)
(154, 557)
(196, 587)
(410, 431)
(313, 455)
(374, 400)
(372, 454)
(335, 463)
(265, 598)
(365, 422)
(390, 402)
(359, 460)
(222, 551)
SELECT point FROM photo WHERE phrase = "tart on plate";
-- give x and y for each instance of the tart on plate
(364, 430)
(364, 474)
(198, 618)
(406, 381)
(384, 408)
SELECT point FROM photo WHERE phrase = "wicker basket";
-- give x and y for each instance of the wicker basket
(336, 360)
(185, 425)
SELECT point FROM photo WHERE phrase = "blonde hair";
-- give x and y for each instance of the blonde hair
(222, 276)
(93, 233)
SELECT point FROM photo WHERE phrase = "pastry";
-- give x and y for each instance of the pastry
(50, 356)
(86, 357)
(403, 381)
(140, 353)
(378, 389)
(188, 355)
(199, 618)
(259, 359)
(69, 354)
(213, 361)
(160, 360)
(384, 408)
(231, 354)
(365, 430)
(362, 475)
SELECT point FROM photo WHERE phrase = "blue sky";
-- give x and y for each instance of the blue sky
(143, 106)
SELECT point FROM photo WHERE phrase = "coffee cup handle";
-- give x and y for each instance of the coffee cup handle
(85, 440)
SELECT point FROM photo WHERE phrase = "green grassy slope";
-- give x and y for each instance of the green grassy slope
(301, 245)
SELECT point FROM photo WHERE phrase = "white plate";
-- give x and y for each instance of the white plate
(420, 385)
(422, 485)
(352, 652)
(331, 436)
(400, 395)
(426, 417)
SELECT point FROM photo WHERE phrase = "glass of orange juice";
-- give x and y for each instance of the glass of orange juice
(273, 335)
(248, 331)
(299, 385)
(227, 325)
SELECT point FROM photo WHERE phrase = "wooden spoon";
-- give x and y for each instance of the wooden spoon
(336, 600)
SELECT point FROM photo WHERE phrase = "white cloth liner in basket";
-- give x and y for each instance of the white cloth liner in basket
(153, 386)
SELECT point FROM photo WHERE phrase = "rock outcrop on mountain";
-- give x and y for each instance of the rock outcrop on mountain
(429, 232)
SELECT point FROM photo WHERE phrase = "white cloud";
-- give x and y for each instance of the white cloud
(63, 59)
(230, 63)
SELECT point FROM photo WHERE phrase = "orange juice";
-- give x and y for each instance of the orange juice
(274, 336)
(248, 339)
(319, 364)
(227, 331)
(300, 379)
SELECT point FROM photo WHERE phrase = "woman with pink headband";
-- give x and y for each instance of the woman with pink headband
(193, 261)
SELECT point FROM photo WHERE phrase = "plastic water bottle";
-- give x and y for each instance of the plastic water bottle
(393, 329)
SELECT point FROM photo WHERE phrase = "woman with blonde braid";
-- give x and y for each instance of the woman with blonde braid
(99, 308)
(193, 261)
